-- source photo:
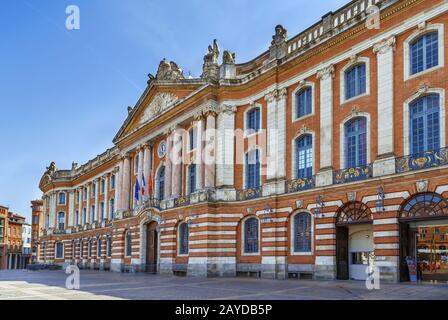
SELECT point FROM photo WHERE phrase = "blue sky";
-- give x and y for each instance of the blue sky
(64, 94)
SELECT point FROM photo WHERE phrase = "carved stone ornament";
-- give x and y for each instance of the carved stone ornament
(278, 48)
(280, 36)
(326, 72)
(422, 186)
(299, 204)
(228, 57)
(351, 196)
(52, 168)
(423, 89)
(169, 70)
(384, 45)
(304, 129)
(228, 109)
(160, 102)
(355, 111)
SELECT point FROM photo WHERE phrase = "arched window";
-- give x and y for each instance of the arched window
(183, 238)
(253, 169)
(253, 120)
(81, 249)
(425, 124)
(61, 221)
(98, 251)
(59, 250)
(304, 156)
(89, 248)
(355, 81)
(191, 178)
(161, 183)
(424, 205)
(112, 209)
(304, 102)
(128, 241)
(62, 198)
(109, 246)
(356, 142)
(302, 232)
(251, 235)
(424, 52)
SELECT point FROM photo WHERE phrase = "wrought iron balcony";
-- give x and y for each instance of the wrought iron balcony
(300, 184)
(422, 160)
(181, 201)
(248, 194)
(352, 174)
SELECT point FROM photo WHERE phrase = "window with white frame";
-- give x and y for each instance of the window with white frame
(355, 142)
(304, 102)
(253, 120)
(62, 198)
(112, 208)
(183, 238)
(191, 178)
(161, 183)
(112, 182)
(102, 186)
(59, 250)
(355, 81)
(252, 168)
(304, 156)
(302, 232)
(61, 221)
(136, 161)
(128, 242)
(102, 211)
(251, 235)
(192, 138)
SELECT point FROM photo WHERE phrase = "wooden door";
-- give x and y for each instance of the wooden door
(151, 248)
(342, 253)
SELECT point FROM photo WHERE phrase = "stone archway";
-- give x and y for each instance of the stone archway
(150, 242)
(352, 219)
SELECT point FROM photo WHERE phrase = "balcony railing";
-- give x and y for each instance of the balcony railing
(248, 194)
(422, 160)
(352, 174)
(300, 184)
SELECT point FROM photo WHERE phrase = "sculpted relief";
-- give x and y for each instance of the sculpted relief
(160, 102)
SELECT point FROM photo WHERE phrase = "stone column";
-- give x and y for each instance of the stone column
(106, 196)
(81, 222)
(126, 183)
(53, 210)
(225, 152)
(118, 186)
(168, 165)
(176, 173)
(71, 208)
(325, 175)
(139, 173)
(88, 214)
(385, 163)
(210, 149)
(146, 167)
(200, 131)
(97, 183)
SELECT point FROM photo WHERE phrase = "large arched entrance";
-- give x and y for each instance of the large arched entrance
(354, 241)
(152, 247)
(424, 237)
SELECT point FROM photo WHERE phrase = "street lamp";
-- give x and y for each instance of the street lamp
(320, 205)
(380, 202)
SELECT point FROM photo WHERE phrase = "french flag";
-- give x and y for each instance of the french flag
(143, 185)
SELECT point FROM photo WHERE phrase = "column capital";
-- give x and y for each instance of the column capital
(384, 45)
(326, 72)
(276, 95)
(227, 109)
(198, 116)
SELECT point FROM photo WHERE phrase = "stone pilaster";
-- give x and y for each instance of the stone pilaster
(225, 147)
(325, 175)
(199, 125)
(126, 190)
(385, 164)
(176, 174)
(168, 165)
(210, 149)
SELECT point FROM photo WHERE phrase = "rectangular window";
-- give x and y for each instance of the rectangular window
(192, 178)
(103, 186)
(253, 120)
(77, 218)
(92, 214)
(112, 182)
(252, 169)
(102, 211)
(304, 102)
(112, 208)
(192, 135)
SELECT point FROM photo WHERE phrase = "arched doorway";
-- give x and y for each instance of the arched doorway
(152, 247)
(354, 241)
(423, 222)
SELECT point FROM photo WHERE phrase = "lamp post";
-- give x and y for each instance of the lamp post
(380, 202)
(320, 205)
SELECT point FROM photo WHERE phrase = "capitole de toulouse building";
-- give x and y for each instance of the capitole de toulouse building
(339, 163)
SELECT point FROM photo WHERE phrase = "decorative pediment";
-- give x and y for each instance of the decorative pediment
(160, 103)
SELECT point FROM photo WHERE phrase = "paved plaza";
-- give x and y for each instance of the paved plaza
(43, 285)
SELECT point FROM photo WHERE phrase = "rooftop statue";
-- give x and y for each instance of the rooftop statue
(169, 70)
